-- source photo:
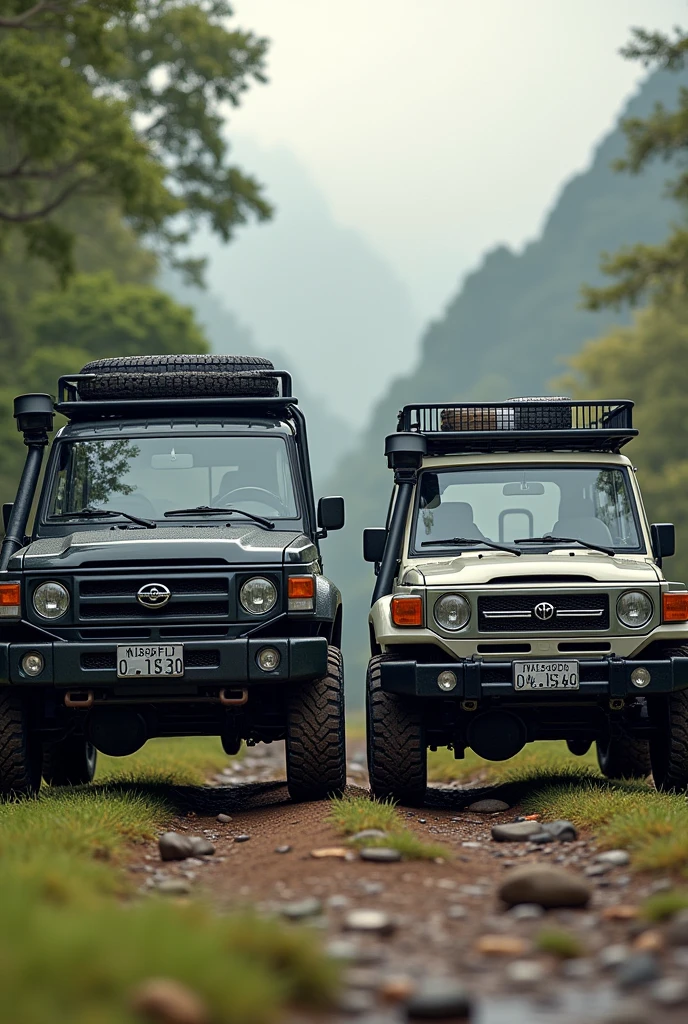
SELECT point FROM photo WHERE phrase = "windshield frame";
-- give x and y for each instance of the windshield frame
(527, 549)
(45, 525)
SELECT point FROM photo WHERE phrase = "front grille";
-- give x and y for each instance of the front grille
(194, 597)
(192, 659)
(173, 610)
(516, 613)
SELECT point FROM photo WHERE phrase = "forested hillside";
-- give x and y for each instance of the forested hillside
(507, 332)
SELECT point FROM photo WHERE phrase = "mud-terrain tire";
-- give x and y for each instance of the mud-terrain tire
(71, 762)
(20, 748)
(624, 757)
(316, 744)
(397, 754)
(669, 745)
(171, 376)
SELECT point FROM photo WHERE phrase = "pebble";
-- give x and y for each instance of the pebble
(336, 852)
(241, 839)
(224, 819)
(380, 854)
(439, 999)
(564, 831)
(376, 921)
(620, 912)
(173, 887)
(173, 846)
(501, 945)
(578, 969)
(355, 1002)
(596, 870)
(541, 837)
(638, 969)
(337, 902)
(372, 888)
(616, 858)
(515, 831)
(368, 833)
(526, 911)
(456, 912)
(396, 988)
(677, 929)
(626, 1012)
(650, 941)
(283, 849)
(342, 950)
(612, 956)
(525, 973)
(310, 907)
(201, 847)
(488, 806)
(472, 890)
(546, 885)
(166, 1001)
(670, 991)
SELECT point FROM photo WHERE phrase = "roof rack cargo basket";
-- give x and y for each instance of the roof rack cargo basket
(522, 424)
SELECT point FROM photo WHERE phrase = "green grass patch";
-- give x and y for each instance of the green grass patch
(183, 762)
(560, 943)
(664, 905)
(535, 761)
(352, 814)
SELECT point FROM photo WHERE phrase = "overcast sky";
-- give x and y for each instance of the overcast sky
(439, 128)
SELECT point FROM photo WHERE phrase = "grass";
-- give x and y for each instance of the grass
(352, 814)
(664, 905)
(560, 943)
(536, 760)
(183, 762)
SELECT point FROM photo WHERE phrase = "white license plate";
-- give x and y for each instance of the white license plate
(546, 675)
(150, 660)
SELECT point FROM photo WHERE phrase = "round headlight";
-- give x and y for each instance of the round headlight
(634, 608)
(452, 612)
(258, 596)
(51, 600)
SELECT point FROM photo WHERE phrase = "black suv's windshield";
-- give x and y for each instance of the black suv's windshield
(150, 476)
(591, 504)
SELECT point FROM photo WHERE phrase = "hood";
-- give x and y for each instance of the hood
(241, 544)
(471, 570)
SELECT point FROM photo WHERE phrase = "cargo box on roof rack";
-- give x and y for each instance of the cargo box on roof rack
(521, 424)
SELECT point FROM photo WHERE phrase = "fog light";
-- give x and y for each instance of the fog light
(640, 677)
(446, 681)
(268, 659)
(32, 663)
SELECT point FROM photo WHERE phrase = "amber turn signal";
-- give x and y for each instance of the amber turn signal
(407, 611)
(301, 586)
(675, 606)
(10, 600)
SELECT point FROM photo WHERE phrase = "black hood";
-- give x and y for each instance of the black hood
(243, 544)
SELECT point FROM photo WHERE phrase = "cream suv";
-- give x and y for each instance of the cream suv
(520, 596)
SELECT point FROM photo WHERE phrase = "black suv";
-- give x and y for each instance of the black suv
(172, 583)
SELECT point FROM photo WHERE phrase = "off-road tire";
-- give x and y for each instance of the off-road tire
(397, 753)
(316, 744)
(170, 376)
(20, 750)
(669, 745)
(624, 757)
(71, 762)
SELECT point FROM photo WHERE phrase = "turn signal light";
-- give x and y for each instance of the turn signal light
(407, 611)
(301, 593)
(10, 601)
(675, 607)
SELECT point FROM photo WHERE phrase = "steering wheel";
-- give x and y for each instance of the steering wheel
(254, 494)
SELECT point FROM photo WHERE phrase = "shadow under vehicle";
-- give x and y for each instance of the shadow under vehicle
(520, 596)
(172, 582)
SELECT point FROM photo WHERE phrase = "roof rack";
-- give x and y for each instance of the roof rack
(527, 424)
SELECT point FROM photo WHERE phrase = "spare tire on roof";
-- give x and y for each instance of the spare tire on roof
(178, 376)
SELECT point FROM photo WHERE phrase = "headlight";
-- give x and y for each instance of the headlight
(51, 600)
(452, 612)
(258, 596)
(634, 608)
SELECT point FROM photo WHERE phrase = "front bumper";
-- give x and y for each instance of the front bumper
(92, 665)
(476, 679)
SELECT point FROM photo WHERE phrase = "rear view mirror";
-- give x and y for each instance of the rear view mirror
(663, 540)
(374, 540)
(172, 461)
(512, 490)
(331, 513)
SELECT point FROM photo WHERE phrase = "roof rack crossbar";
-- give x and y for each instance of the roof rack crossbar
(68, 388)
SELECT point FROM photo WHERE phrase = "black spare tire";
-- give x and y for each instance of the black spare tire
(178, 376)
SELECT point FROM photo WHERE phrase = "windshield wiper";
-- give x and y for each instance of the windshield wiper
(472, 540)
(208, 510)
(548, 538)
(104, 513)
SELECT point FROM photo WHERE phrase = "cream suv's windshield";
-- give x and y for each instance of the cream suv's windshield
(591, 504)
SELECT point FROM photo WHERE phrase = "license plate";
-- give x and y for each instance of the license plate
(150, 661)
(546, 675)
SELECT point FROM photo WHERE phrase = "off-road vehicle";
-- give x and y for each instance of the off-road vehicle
(171, 584)
(520, 596)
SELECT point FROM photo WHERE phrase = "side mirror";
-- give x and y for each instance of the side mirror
(6, 513)
(331, 513)
(663, 540)
(374, 540)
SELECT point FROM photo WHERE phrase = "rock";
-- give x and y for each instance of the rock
(501, 945)
(488, 806)
(396, 988)
(368, 833)
(670, 991)
(472, 890)
(380, 854)
(626, 1012)
(677, 929)
(613, 956)
(342, 950)
(578, 969)
(165, 1001)
(620, 912)
(526, 911)
(173, 887)
(224, 819)
(337, 902)
(525, 973)
(597, 870)
(283, 849)
(563, 831)
(309, 907)
(355, 1002)
(201, 847)
(541, 837)
(375, 921)
(372, 888)
(616, 858)
(650, 941)
(456, 912)
(638, 969)
(174, 846)
(241, 839)
(337, 852)
(515, 831)
(545, 885)
(439, 999)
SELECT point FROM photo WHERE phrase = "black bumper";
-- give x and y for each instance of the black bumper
(477, 680)
(92, 665)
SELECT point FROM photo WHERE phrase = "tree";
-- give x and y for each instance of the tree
(647, 362)
(123, 100)
(654, 271)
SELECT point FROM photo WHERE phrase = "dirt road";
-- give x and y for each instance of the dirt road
(430, 920)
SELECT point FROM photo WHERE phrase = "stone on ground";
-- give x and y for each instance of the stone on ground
(380, 854)
(375, 921)
(201, 847)
(309, 907)
(544, 885)
(488, 806)
(639, 969)
(368, 833)
(439, 999)
(617, 858)
(174, 846)
(564, 831)
(224, 819)
(165, 1001)
(501, 945)
(515, 831)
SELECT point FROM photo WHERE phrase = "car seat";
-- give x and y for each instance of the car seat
(581, 523)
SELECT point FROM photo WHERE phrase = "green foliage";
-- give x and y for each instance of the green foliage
(352, 814)
(180, 762)
(664, 905)
(558, 942)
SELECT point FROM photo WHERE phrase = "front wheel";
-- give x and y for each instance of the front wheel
(316, 746)
(624, 757)
(397, 754)
(20, 749)
(70, 762)
(669, 741)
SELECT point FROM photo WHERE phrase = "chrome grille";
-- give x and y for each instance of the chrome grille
(516, 613)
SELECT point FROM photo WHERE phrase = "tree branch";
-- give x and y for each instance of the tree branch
(38, 8)
(44, 211)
